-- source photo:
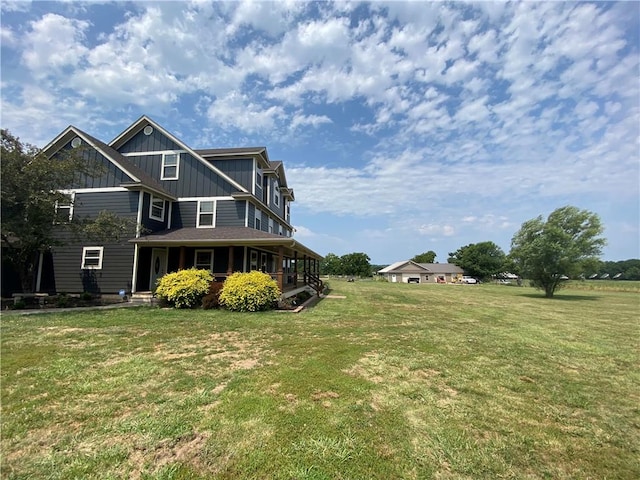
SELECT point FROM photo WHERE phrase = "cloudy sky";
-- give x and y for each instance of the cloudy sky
(404, 126)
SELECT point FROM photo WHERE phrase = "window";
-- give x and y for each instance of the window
(259, 177)
(271, 225)
(64, 209)
(170, 166)
(156, 209)
(206, 213)
(204, 260)
(258, 220)
(254, 260)
(92, 258)
(276, 194)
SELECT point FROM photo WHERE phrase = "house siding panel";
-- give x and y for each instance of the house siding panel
(149, 143)
(195, 178)
(184, 214)
(107, 173)
(117, 263)
(117, 260)
(241, 170)
(252, 216)
(230, 213)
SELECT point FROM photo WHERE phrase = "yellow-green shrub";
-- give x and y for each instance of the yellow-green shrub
(249, 292)
(184, 288)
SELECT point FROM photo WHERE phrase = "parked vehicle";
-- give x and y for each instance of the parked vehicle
(469, 280)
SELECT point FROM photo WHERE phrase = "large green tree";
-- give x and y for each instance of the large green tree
(30, 186)
(548, 251)
(356, 264)
(481, 260)
(331, 264)
(426, 257)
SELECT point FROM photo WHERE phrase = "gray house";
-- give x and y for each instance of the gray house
(225, 210)
(409, 271)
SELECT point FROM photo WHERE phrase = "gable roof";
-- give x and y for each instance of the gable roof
(413, 266)
(143, 121)
(138, 176)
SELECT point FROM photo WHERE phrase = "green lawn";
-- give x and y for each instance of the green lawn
(395, 381)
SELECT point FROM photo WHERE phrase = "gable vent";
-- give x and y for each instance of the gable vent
(148, 130)
(75, 143)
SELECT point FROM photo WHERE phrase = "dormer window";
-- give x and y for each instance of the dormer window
(170, 166)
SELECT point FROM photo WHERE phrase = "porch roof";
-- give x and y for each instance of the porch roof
(221, 236)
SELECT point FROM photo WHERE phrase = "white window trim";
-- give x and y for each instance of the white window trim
(258, 218)
(161, 217)
(198, 213)
(258, 175)
(195, 258)
(72, 199)
(270, 225)
(164, 156)
(84, 258)
(276, 193)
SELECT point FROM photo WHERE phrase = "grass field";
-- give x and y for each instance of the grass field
(393, 381)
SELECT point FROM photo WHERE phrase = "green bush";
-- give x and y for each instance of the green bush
(184, 288)
(249, 292)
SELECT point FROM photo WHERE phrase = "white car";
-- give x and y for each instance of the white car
(469, 280)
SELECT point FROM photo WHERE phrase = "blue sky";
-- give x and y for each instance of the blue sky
(404, 126)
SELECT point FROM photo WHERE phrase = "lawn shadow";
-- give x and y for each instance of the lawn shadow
(567, 298)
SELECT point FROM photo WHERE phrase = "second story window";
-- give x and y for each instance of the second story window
(170, 166)
(276, 194)
(64, 209)
(258, 220)
(156, 209)
(206, 213)
(259, 177)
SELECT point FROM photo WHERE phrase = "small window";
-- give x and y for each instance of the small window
(64, 209)
(254, 260)
(92, 258)
(204, 260)
(271, 225)
(259, 177)
(206, 213)
(170, 166)
(258, 223)
(156, 211)
(276, 194)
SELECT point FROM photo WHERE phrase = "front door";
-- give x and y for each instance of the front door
(158, 266)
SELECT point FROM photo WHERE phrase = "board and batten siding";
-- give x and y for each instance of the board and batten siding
(240, 169)
(106, 174)
(184, 214)
(156, 142)
(195, 179)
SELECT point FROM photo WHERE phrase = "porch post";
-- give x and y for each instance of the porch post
(230, 264)
(279, 272)
(183, 257)
(295, 268)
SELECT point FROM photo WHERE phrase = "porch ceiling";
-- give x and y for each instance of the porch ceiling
(222, 236)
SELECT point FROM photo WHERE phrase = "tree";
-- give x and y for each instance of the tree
(356, 264)
(31, 185)
(480, 260)
(548, 251)
(426, 257)
(331, 264)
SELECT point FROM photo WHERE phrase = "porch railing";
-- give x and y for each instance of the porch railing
(313, 280)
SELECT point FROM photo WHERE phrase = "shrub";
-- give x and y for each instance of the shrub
(184, 288)
(212, 299)
(249, 292)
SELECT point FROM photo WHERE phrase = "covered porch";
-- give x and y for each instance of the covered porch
(223, 251)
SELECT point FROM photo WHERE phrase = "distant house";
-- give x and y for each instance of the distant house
(221, 209)
(409, 271)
